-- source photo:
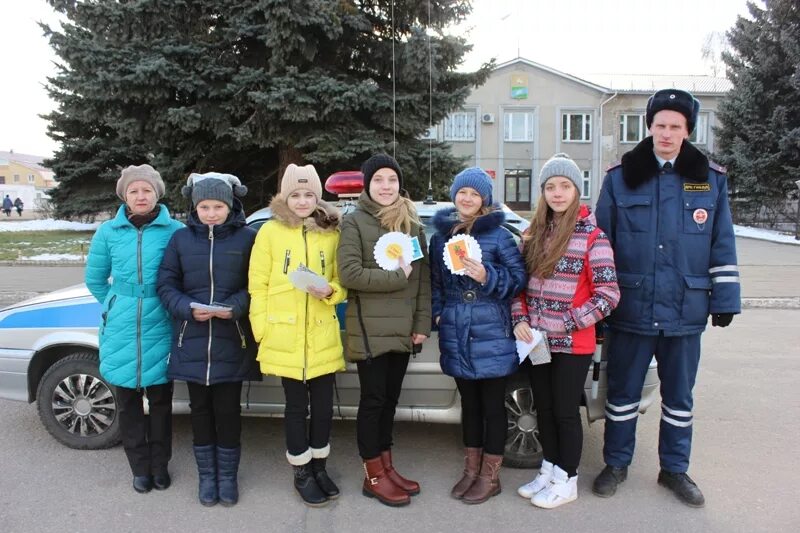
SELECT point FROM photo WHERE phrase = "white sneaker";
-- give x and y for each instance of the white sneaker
(539, 482)
(560, 491)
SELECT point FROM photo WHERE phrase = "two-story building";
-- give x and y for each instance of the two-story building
(526, 112)
(23, 176)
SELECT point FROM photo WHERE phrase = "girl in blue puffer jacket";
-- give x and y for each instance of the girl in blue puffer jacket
(472, 311)
(134, 333)
(213, 350)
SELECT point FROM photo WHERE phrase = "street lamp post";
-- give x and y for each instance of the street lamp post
(797, 222)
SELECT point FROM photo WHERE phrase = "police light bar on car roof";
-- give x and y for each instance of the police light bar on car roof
(345, 184)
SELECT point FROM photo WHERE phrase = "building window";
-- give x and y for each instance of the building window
(586, 186)
(2, 180)
(518, 127)
(16, 178)
(31, 178)
(632, 128)
(460, 126)
(700, 133)
(576, 127)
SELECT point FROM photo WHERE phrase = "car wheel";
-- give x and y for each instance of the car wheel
(76, 405)
(523, 449)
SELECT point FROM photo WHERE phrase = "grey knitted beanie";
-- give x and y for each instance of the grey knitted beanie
(213, 186)
(561, 165)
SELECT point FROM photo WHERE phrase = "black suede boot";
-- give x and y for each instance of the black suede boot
(323, 480)
(306, 485)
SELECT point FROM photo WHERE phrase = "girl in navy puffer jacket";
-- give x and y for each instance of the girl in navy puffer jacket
(212, 350)
(473, 314)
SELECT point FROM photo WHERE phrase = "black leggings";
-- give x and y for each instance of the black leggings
(484, 422)
(381, 380)
(216, 413)
(557, 390)
(318, 393)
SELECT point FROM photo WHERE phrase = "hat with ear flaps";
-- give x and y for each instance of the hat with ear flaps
(213, 186)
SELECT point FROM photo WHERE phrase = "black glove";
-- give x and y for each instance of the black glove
(721, 319)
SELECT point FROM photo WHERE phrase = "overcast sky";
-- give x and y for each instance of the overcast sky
(579, 37)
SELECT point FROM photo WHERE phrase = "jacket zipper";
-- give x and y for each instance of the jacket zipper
(183, 330)
(305, 321)
(139, 310)
(241, 334)
(211, 300)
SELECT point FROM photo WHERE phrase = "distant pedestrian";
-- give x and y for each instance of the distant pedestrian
(7, 205)
(19, 205)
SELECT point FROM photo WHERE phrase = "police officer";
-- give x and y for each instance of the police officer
(665, 209)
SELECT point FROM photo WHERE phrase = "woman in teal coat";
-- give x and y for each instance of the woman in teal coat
(135, 332)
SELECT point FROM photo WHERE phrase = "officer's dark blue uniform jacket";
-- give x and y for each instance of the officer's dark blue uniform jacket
(673, 241)
(194, 265)
(476, 340)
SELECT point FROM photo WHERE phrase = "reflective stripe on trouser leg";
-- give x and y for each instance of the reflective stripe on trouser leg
(678, 358)
(629, 358)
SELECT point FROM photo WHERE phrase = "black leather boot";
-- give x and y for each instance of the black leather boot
(605, 484)
(142, 484)
(323, 480)
(306, 485)
(684, 488)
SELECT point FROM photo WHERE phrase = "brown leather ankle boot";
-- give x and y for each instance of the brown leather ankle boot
(472, 465)
(411, 487)
(378, 485)
(488, 482)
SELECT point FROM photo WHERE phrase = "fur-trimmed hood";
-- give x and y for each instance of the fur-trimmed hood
(640, 164)
(325, 218)
(445, 219)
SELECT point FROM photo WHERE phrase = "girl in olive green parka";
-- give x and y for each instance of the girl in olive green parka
(388, 312)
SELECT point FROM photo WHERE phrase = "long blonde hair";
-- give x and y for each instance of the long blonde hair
(400, 215)
(466, 224)
(546, 240)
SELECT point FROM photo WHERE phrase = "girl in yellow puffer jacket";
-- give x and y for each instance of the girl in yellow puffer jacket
(298, 331)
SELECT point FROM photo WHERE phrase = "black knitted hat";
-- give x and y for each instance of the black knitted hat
(376, 162)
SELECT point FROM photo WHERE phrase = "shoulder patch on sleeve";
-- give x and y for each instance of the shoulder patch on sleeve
(717, 167)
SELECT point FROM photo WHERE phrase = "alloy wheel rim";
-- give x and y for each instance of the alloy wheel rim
(83, 405)
(523, 431)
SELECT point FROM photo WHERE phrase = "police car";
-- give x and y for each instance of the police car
(49, 347)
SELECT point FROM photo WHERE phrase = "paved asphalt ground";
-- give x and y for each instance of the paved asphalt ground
(747, 424)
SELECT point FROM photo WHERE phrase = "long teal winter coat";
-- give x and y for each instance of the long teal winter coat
(135, 333)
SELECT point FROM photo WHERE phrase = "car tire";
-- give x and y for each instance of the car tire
(522, 449)
(76, 405)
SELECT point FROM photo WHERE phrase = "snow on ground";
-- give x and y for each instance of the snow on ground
(764, 234)
(54, 257)
(47, 225)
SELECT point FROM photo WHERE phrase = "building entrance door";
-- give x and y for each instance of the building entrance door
(518, 188)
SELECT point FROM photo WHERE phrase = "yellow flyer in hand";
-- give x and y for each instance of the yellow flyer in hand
(391, 247)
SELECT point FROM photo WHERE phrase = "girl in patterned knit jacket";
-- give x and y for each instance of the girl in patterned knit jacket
(572, 285)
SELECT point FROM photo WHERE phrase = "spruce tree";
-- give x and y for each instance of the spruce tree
(759, 138)
(248, 87)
